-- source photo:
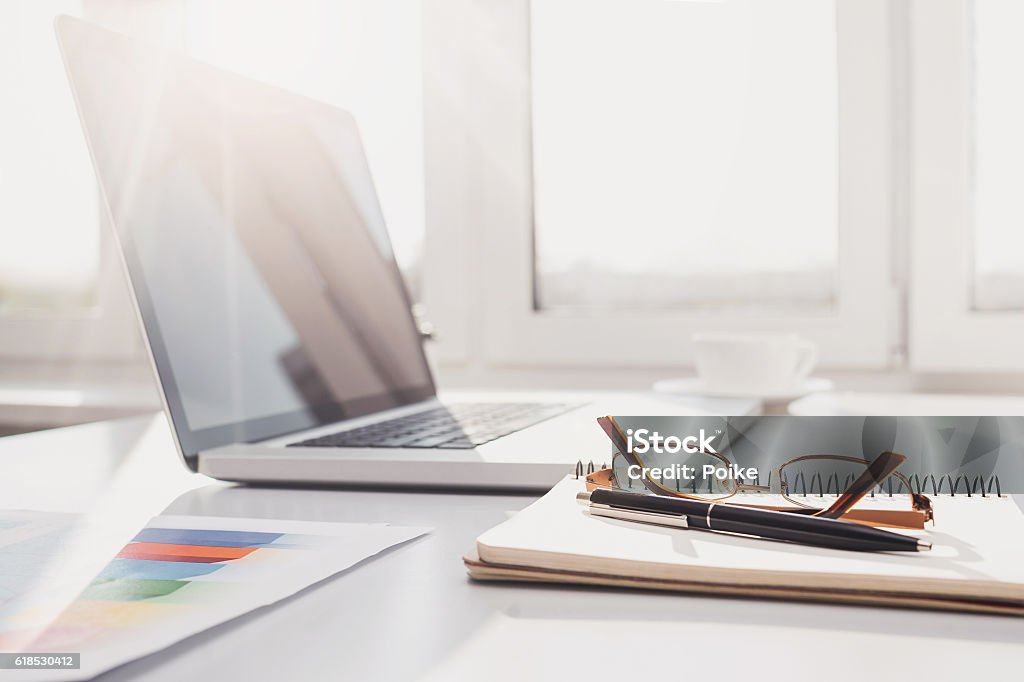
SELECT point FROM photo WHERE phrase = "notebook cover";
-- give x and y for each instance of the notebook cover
(487, 572)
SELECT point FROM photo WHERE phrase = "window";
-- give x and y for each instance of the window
(672, 125)
(61, 293)
(602, 177)
(51, 248)
(608, 177)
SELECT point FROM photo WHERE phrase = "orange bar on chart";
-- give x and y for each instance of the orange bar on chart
(156, 551)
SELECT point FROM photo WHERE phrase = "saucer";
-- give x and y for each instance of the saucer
(695, 386)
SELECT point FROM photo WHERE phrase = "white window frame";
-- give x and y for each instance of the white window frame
(945, 333)
(479, 279)
(105, 332)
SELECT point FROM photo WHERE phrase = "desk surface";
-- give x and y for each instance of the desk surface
(411, 613)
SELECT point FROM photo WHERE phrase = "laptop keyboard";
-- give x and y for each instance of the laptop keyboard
(456, 426)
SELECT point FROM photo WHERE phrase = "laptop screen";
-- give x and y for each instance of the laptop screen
(253, 240)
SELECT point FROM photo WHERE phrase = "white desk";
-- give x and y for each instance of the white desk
(412, 613)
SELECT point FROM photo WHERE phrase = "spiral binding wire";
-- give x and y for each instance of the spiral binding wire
(947, 484)
(590, 468)
(831, 486)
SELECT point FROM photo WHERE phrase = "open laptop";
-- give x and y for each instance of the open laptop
(276, 318)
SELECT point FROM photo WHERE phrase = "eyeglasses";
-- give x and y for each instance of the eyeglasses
(826, 485)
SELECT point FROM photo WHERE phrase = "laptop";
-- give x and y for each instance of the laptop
(276, 318)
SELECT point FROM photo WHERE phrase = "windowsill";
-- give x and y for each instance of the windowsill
(27, 405)
(478, 375)
(45, 396)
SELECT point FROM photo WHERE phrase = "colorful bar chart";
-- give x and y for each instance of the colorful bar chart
(160, 571)
(178, 576)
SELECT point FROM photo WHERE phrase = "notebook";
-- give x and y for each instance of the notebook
(977, 563)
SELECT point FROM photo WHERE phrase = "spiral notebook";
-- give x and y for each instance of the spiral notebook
(976, 564)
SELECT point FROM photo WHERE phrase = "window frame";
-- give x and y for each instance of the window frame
(107, 331)
(479, 197)
(945, 333)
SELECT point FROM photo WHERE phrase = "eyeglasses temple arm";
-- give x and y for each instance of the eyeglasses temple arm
(879, 470)
(614, 433)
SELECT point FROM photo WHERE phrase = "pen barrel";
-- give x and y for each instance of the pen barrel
(774, 525)
(850, 537)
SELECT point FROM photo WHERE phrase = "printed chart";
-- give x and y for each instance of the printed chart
(181, 575)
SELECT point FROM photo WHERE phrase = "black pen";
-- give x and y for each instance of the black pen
(761, 523)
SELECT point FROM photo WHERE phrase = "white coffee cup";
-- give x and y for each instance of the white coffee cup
(753, 363)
